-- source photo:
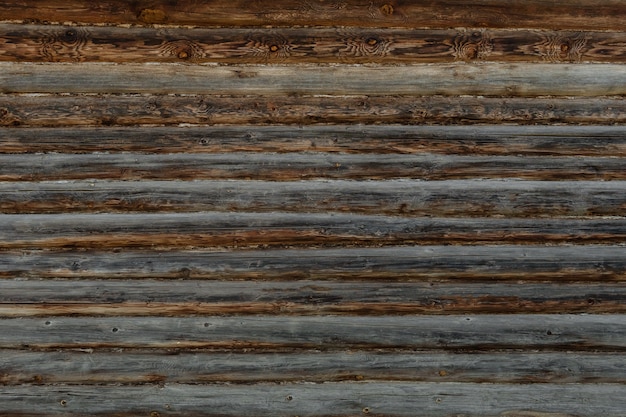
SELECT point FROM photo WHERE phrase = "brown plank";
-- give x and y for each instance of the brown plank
(489, 79)
(97, 367)
(124, 110)
(598, 141)
(576, 15)
(251, 230)
(303, 166)
(601, 263)
(450, 198)
(44, 43)
(112, 297)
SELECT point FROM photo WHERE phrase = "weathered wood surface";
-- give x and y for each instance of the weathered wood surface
(109, 110)
(268, 332)
(250, 230)
(89, 367)
(472, 198)
(490, 79)
(565, 140)
(313, 208)
(44, 43)
(576, 15)
(115, 297)
(350, 399)
(402, 263)
(298, 166)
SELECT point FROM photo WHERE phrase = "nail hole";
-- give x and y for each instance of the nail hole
(154, 414)
(47, 323)
(207, 324)
(549, 333)
(366, 410)
(63, 403)
(438, 400)
(114, 330)
(289, 397)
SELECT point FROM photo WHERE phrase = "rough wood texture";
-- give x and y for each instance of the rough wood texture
(388, 139)
(110, 110)
(324, 208)
(241, 230)
(492, 79)
(391, 197)
(576, 15)
(43, 43)
(412, 263)
(99, 367)
(114, 297)
(451, 332)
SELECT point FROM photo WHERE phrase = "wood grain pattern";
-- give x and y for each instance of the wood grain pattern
(576, 15)
(340, 399)
(130, 110)
(603, 263)
(471, 198)
(114, 297)
(100, 367)
(490, 79)
(45, 43)
(569, 140)
(297, 166)
(451, 332)
(266, 230)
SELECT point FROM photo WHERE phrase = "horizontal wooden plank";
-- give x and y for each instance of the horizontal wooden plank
(109, 110)
(576, 15)
(337, 399)
(250, 230)
(474, 198)
(301, 166)
(490, 79)
(450, 332)
(47, 298)
(96, 367)
(43, 43)
(386, 139)
(416, 263)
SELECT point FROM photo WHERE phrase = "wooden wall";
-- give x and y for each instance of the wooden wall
(313, 208)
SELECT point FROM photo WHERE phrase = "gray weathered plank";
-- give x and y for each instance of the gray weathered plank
(111, 297)
(301, 166)
(450, 332)
(416, 263)
(389, 139)
(96, 367)
(337, 399)
(517, 80)
(249, 230)
(474, 198)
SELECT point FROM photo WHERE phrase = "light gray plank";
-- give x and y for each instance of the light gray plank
(394, 139)
(339, 399)
(452, 332)
(94, 367)
(476, 198)
(418, 263)
(523, 80)
(301, 166)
